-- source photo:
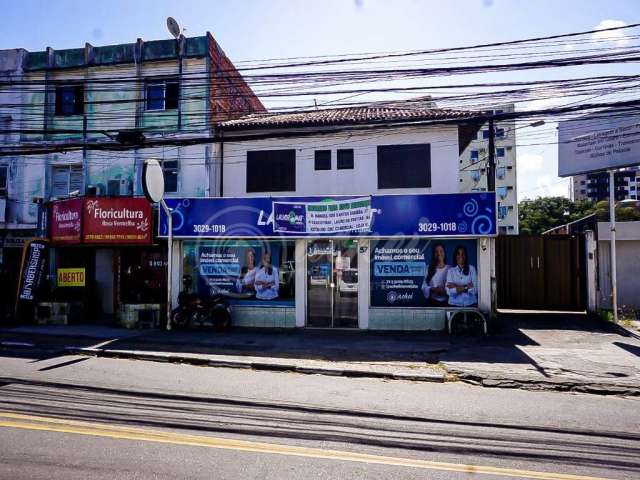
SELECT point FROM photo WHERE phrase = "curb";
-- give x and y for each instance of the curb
(264, 366)
(537, 385)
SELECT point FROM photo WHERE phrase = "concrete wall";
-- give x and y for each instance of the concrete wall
(363, 178)
(627, 264)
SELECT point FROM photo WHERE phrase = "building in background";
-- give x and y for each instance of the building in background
(473, 169)
(595, 186)
(65, 103)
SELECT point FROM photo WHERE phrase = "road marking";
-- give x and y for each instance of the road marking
(31, 422)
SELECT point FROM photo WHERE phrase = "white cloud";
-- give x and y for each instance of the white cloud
(530, 162)
(617, 37)
(548, 186)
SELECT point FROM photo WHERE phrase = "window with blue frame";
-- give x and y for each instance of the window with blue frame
(502, 192)
(502, 212)
(499, 132)
(500, 152)
(474, 156)
(485, 134)
(69, 100)
(162, 95)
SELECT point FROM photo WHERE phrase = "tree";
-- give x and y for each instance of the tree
(541, 214)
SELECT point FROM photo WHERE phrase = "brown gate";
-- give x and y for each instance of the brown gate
(544, 272)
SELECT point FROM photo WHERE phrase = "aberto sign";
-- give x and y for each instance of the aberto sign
(116, 220)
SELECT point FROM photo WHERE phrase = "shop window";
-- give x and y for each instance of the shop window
(251, 271)
(162, 95)
(322, 160)
(271, 171)
(4, 174)
(404, 166)
(66, 179)
(345, 159)
(70, 100)
(170, 172)
(430, 274)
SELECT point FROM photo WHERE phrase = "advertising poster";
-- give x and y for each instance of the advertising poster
(117, 220)
(422, 215)
(65, 221)
(70, 277)
(424, 273)
(246, 270)
(340, 216)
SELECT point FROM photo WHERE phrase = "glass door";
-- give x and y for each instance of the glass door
(332, 283)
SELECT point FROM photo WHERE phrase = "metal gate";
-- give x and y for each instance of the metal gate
(545, 272)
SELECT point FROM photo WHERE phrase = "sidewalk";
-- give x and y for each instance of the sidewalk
(538, 352)
(339, 353)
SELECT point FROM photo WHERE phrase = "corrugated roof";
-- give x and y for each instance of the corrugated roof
(346, 116)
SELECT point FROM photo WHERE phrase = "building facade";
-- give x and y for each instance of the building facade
(595, 186)
(339, 218)
(473, 169)
(83, 122)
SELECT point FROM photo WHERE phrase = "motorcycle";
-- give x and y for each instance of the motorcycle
(193, 311)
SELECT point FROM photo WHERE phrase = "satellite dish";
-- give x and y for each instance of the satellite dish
(152, 180)
(173, 27)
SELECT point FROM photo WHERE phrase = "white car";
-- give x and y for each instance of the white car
(348, 284)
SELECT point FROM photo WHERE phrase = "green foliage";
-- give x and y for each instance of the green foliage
(541, 214)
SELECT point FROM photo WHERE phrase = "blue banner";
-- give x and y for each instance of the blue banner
(410, 272)
(429, 215)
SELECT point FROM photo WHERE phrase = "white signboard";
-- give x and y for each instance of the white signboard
(590, 144)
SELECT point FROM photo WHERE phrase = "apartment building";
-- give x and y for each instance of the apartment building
(473, 169)
(69, 108)
(595, 186)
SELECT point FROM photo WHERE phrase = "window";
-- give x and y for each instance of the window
(501, 172)
(582, 182)
(271, 171)
(502, 212)
(474, 156)
(404, 166)
(485, 134)
(170, 173)
(234, 266)
(499, 132)
(163, 95)
(4, 174)
(66, 179)
(323, 159)
(501, 191)
(345, 159)
(500, 152)
(70, 100)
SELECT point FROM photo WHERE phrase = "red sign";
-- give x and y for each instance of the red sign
(116, 220)
(65, 221)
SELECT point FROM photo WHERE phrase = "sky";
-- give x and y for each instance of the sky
(264, 29)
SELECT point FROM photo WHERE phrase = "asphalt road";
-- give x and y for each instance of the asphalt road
(77, 417)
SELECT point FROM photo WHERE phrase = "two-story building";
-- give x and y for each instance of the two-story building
(71, 107)
(340, 218)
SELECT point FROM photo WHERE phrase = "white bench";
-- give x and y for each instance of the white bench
(451, 313)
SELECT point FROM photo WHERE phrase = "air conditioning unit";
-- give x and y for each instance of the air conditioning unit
(119, 187)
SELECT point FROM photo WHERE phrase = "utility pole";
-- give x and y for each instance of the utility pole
(612, 243)
(491, 167)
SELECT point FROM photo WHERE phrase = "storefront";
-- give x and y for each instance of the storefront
(388, 262)
(103, 257)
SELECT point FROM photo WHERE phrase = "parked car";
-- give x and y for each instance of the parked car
(348, 283)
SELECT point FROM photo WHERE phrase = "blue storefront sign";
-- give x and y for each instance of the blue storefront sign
(429, 215)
